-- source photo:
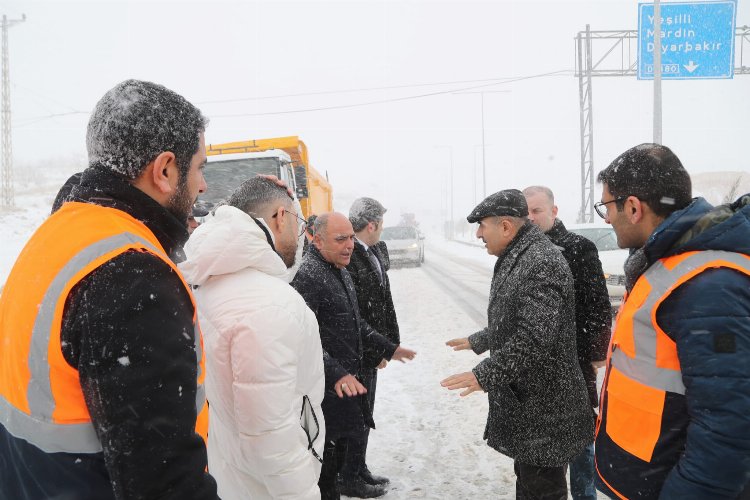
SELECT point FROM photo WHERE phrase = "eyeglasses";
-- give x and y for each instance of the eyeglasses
(301, 223)
(600, 206)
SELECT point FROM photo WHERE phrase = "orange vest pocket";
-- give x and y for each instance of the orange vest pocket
(634, 414)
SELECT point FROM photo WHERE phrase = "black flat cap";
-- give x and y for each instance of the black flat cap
(508, 202)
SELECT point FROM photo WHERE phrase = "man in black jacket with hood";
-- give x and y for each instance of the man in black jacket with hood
(593, 316)
(126, 422)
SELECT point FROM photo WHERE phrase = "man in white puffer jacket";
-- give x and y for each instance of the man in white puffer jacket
(264, 375)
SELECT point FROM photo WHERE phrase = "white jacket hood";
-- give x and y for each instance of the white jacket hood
(226, 243)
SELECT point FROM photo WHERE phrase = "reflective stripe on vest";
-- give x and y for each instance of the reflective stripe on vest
(38, 426)
(643, 364)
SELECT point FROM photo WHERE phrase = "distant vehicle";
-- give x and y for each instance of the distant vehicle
(231, 163)
(405, 244)
(612, 257)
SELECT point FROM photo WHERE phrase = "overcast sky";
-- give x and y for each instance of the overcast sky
(413, 60)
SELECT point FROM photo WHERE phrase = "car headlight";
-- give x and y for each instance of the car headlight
(413, 245)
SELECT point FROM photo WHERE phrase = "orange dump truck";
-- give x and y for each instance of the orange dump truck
(231, 163)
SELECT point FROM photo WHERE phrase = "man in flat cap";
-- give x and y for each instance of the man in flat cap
(539, 412)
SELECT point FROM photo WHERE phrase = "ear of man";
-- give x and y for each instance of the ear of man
(317, 240)
(160, 178)
(165, 173)
(276, 220)
(635, 209)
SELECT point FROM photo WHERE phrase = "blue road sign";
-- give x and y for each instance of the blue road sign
(697, 40)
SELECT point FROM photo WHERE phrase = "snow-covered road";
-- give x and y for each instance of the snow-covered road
(429, 440)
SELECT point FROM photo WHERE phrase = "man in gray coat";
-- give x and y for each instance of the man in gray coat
(539, 413)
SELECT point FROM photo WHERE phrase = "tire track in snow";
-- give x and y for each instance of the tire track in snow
(465, 282)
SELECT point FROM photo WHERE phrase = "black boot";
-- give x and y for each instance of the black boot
(371, 478)
(359, 489)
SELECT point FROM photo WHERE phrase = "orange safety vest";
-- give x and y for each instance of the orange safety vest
(639, 435)
(41, 400)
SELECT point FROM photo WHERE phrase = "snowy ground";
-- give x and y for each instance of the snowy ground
(428, 440)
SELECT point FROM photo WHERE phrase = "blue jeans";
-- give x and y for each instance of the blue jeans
(582, 475)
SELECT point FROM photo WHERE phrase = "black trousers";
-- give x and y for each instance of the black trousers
(329, 489)
(540, 483)
(345, 457)
(352, 455)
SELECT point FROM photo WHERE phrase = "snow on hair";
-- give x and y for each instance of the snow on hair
(363, 211)
(136, 121)
(255, 195)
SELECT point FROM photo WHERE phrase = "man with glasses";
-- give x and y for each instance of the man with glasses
(329, 290)
(539, 412)
(675, 407)
(265, 362)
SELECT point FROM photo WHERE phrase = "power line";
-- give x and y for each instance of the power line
(493, 82)
(39, 95)
(395, 99)
(31, 121)
(349, 91)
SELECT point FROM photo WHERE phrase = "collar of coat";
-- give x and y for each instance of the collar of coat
(526, 236)
(557, 231)
(100, 186)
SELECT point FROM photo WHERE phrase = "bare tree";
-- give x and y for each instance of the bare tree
(732, 194)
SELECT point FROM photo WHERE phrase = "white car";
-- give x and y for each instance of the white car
(612, 257)
(405, 244)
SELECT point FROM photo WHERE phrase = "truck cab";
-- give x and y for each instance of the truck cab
(232, 163)
(224, 173)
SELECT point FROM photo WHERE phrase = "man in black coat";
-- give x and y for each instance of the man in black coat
(369, 273)
(593, 316)
(127, 333)
(327, 287)
(539, 413)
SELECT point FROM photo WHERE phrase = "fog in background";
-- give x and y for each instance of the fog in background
(380, 91)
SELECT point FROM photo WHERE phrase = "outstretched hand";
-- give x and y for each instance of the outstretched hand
(459, 344)
(466, 380)
(402, 354)
(349, 385)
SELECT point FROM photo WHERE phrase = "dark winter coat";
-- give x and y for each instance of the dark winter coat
(708, 317)
(539, 412)
(375, 300)
(375, 305)
(144, 415)
(330, 293)
(593, 313)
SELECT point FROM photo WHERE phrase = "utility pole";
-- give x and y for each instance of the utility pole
(484, 165)
(657, 72)
(450, 152)
(6, 174)
(483, 146)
